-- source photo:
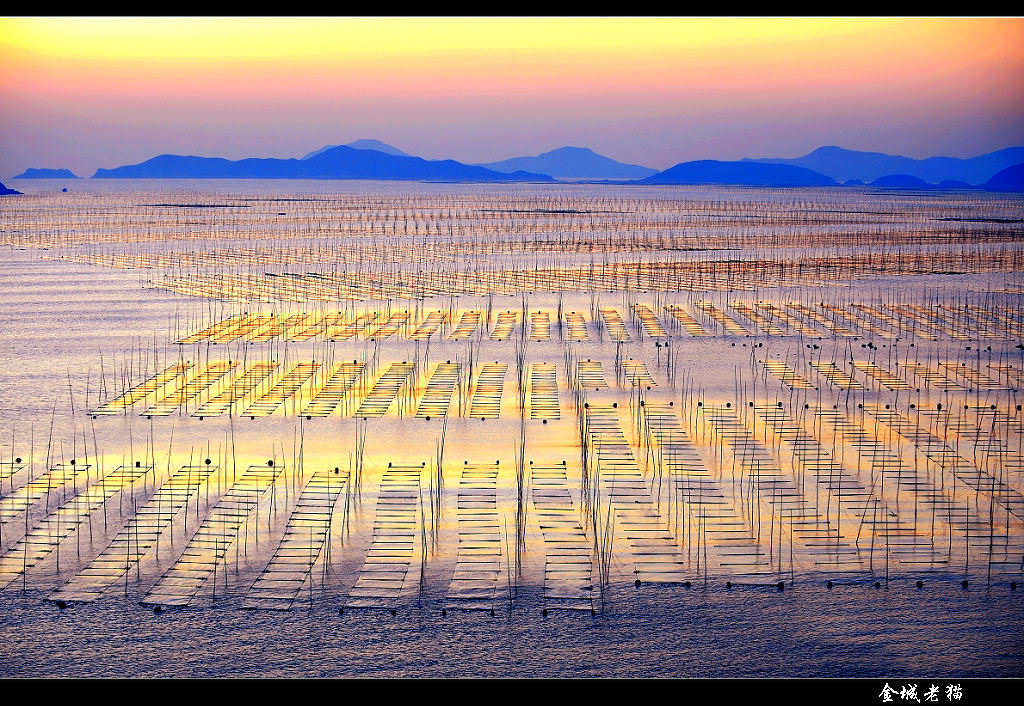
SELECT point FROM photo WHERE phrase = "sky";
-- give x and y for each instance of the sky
(83, 93)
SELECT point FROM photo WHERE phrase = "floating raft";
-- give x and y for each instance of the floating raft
(137, 537)
(336, 390)
(242, 329)
(280, 325)
(900, 536)
(652, 548)
(345, 331)
(47, 534)
(894, 476)
(8, 469)
(614, 324)
(478, 564)
(540, 326)
(793, 323)
(214, 330)
(786, 375)
(590, 375)
(731, 325)
(505, 325)
(384, 571)
(143, 390)
(377, 403)
(490, 383)
(834, 375)
(783, 494)
(975, 379)
(568, 552)
(241, 387)
(429, 326)
(282, 390)
(637, 374)
(987, 486)
(543, 392)
(437, 398)
(303, 542)
(180, 584)
(191, 390)
(938, 378)
(57, 478)
(651, 326)
(390, 327)
(577, 327)
(469, 323)
(765, 324)
(316, 327)
(885, 378)
(689, 324)
(833, 327)
(707, 514)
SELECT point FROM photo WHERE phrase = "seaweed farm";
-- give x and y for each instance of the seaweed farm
(444, 429)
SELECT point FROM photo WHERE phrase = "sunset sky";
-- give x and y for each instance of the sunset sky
(88, 93)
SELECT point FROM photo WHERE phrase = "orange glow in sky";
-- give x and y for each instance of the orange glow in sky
(651, 90)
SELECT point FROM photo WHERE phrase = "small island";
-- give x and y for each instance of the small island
(34, 173)
(4, 191)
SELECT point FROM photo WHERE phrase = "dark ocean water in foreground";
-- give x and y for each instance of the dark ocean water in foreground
(851, 631)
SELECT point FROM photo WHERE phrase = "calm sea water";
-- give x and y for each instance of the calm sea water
(850, 631)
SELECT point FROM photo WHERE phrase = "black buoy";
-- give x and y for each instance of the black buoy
(728, 584)
(341, 611)
(444, 611)
(61, 604)
(394, 612)
(1013, 585)
(158, 609)
(828, 584)
(920, 585)
(781, 585)
(544, 612)
(964, 583)
(637, 583)
(877, 584)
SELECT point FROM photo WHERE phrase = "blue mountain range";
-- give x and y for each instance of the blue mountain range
(335, 163)
(844, 165)
(364, 145)
(573, 163)
(1010, 179)
(709, 171)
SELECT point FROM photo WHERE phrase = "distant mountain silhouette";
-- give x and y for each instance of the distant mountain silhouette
(364, 145)
(573, 163)
(1010, 179)
(336, 163)
(4, 191)
(901, 181)
(709, 171)
(33, 173)
(843, 165)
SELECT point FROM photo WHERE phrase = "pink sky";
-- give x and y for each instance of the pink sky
(91, 93)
